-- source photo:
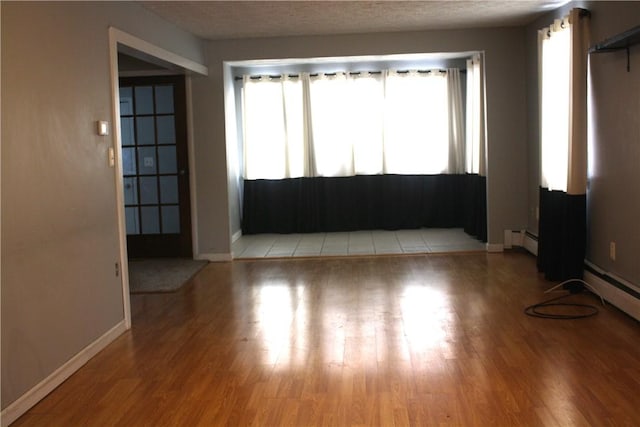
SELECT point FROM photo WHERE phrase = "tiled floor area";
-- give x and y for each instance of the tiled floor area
(376, 242)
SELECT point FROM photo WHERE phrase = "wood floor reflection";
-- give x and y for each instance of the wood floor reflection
(432, 340)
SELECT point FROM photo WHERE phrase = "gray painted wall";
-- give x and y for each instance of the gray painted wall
(59, 226)
(506, 115)
(614, 139)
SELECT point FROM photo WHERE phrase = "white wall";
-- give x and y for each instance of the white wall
(59, 214)
(506, 107)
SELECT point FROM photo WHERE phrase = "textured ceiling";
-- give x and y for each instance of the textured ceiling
(216, 20)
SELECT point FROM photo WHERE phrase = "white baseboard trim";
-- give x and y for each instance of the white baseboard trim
(214, 257)
(495, 247)
(617, 297)
(513, 238)
(28, 400)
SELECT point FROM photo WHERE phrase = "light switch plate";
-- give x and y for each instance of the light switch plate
(103, 127)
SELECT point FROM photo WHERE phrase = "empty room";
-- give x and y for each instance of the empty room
(355, 212)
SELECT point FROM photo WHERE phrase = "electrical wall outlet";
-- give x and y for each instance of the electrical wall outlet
(612, 251)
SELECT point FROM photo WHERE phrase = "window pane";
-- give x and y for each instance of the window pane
(170, 219)
(169, 189)
(474, 139)
(131, 218)
(554, 132)
(144, 100)
(416, 132)
(130, 191)
(148, 190)
(145, 131)
(166, 129)
(164, 99)
(126, 125)
(147, 160)
(129, 161)
(126, 101)
(167, 162)
(150, 220)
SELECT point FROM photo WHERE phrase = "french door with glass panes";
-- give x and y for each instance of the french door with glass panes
(155, 166)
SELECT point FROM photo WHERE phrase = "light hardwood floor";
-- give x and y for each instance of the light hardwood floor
(430, 340)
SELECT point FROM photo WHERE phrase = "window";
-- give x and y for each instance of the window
(344, 124)
(555, 49)
(416, 133)
(475, 130)
(273, 128)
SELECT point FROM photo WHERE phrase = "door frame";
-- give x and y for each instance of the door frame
(120, 41)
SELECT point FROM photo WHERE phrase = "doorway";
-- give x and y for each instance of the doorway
(156, 61)
(155, 166)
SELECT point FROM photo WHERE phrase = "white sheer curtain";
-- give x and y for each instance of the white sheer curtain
(475, 127)
(580, 41)
(346, 124)
(347, 120)
(275, 140)
(416, 133)
(456, 122)
(555, 49)
(367, 115)
(563, 115)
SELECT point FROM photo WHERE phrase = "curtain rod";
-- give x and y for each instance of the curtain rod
(277, 76)
(584, 12)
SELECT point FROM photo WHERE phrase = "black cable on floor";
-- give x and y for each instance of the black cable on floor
(533, 310)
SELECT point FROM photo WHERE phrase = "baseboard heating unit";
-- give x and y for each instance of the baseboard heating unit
(617, 291)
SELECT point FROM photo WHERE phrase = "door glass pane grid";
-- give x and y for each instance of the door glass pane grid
(149, 160)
